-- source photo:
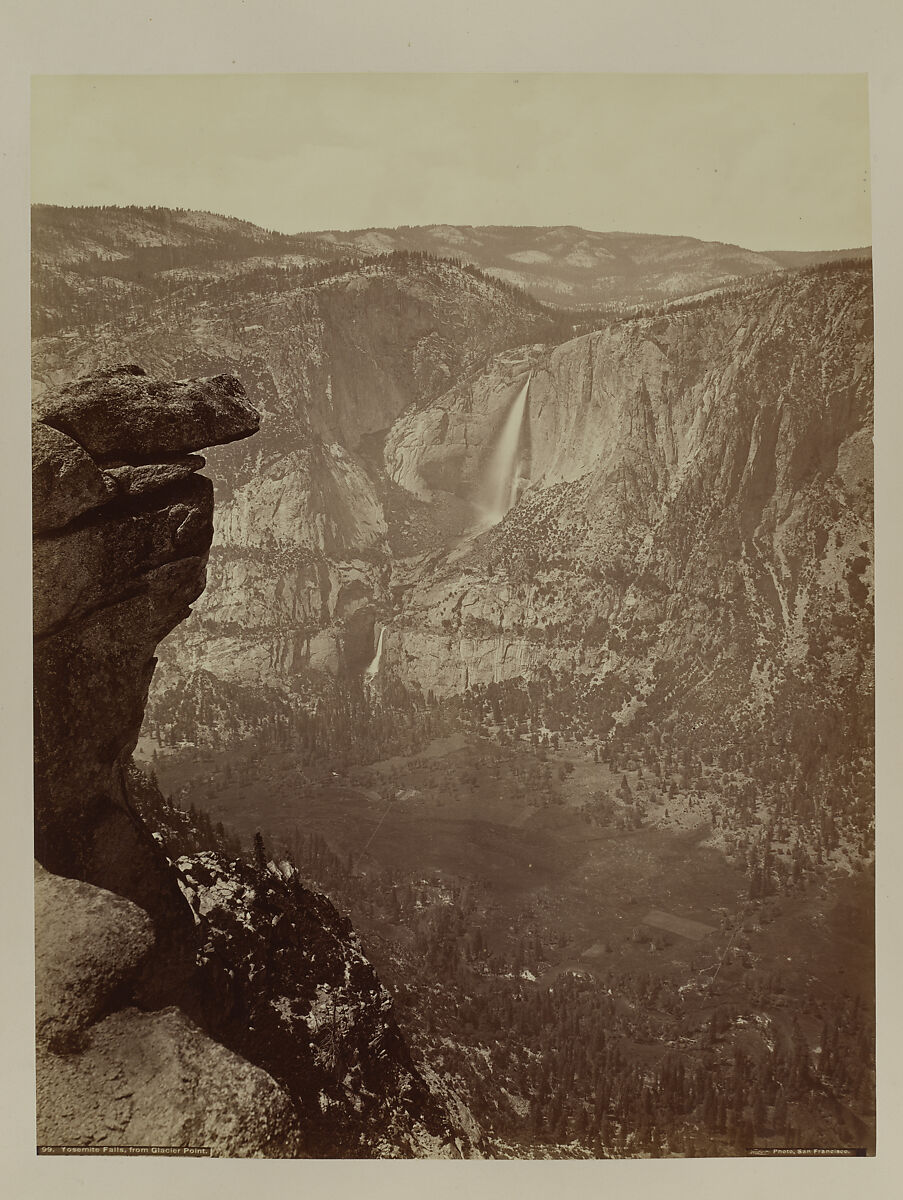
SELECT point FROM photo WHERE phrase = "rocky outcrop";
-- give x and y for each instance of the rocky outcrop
(65, 480)
(121, 413)
(286, 982)
(119, 556)
(111, 1075)
(154, 1079)
(208, 1002)
(89, 946)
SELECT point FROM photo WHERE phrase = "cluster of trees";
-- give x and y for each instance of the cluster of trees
(796, 786)
(781, 817)
(344, 725)
(187, 830)
(730, 289)
(622, 1064)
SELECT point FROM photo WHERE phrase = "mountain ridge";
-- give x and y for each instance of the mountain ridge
(550, 262)
(553, 261)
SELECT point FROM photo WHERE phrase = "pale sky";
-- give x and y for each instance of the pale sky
(769, 162)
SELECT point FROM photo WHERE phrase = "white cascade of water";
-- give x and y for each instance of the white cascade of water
(373, 670)
(502, 472)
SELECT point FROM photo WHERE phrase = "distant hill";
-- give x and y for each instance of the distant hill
(812, 258)
(579, 268)
(562, 265)
(67, 237)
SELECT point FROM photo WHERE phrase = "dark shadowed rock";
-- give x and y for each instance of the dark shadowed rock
(107, 559)
(91, 681)
(288, 985)
(65, 480)
(137, 481)
(124, 414)
(109, 585)
(89, 943)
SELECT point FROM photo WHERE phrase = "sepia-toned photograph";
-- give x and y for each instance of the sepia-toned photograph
(453, 538)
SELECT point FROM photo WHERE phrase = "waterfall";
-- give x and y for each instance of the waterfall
(373, 669)
(502, 473)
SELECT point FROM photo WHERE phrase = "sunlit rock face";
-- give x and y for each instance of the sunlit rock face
(111, 1075)
(698, 521)
(642, 398)
(693, 499)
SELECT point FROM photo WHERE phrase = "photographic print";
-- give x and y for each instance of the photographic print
(454, 615)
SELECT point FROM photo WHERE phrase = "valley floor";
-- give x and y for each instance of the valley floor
(483, 876)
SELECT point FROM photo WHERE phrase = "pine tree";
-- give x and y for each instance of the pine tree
(260, 853)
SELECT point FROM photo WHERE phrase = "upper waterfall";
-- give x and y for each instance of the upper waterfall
(503, 471)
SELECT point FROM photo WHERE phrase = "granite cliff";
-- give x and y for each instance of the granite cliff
(705, 475)
(694, 528)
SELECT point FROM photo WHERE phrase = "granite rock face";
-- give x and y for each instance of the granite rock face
(65, 480)
(135, 481)
(119, 555)
(699, 499)
(691, 480)
(89, 945)
(154, 1079)
(118, 559)
(111, 1075)
(123, 413)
